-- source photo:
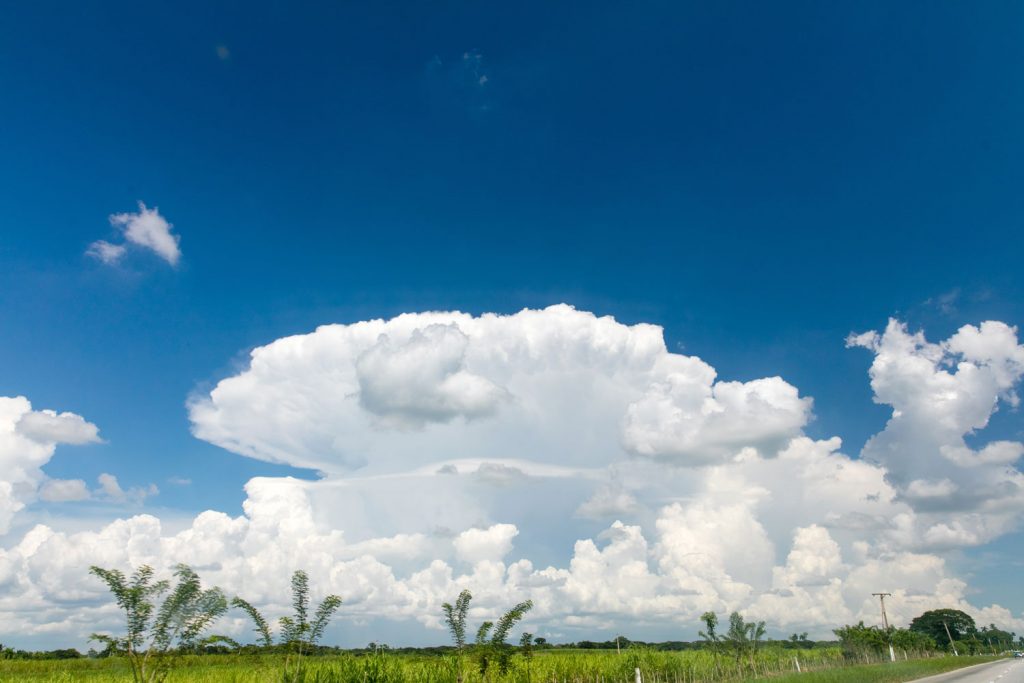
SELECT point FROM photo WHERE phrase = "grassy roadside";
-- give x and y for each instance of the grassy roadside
(881, 673)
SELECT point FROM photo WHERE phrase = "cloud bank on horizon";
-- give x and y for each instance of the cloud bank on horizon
(453, 447)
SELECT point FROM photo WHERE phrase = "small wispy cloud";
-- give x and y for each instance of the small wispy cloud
(179, 481)
(111, 489)
(473, 69)
(462, 80)
(106, 252)
(145, 228)
(946, 302)
(64, 490)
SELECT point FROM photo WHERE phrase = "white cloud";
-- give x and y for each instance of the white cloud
(147, 229)
(111, 489)
(608, 501)
(482, 545)
(687, 417)
(940, 393)
(63, 490)
(423, 379)
(344, 396)
(28, 440)
(106, 252)
(47, 426)
(431, 486)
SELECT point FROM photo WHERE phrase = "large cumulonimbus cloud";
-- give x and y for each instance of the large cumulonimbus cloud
(456, 450)
(556, 386)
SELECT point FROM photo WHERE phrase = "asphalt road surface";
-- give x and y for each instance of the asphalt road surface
(1003, 671)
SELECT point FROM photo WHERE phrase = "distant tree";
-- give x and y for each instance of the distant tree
(935, 622)
(153, 631)
(858, 640)
(911, 641)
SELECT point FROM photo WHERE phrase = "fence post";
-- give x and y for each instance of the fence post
(639, 678)
(796, 661)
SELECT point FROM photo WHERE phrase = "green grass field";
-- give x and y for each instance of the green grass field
(775, 664)
(823, 666)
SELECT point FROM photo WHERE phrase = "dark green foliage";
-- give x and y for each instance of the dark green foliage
(935, 622)
(859, 641)
(69, 653)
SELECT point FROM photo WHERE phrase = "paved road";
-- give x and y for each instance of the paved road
(1003, 671)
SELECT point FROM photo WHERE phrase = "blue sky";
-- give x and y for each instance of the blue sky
(760, 181)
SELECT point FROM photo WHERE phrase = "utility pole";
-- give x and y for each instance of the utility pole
(885, 620)
(951, 644)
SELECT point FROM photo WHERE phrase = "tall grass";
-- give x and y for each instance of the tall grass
(552, 666)
(547, 666)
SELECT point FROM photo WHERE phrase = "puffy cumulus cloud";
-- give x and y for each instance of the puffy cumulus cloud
(707, 494)
(480, 545)
(64, 490)
(147, 229)
(47, 426)
(424, 379)
(940, 393)
(28, 439)
(686, 416)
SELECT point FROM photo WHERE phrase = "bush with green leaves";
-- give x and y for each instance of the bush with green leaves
(299, 632)
(490, 646)
(741, 640)
(866, 642)
(155, 635)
